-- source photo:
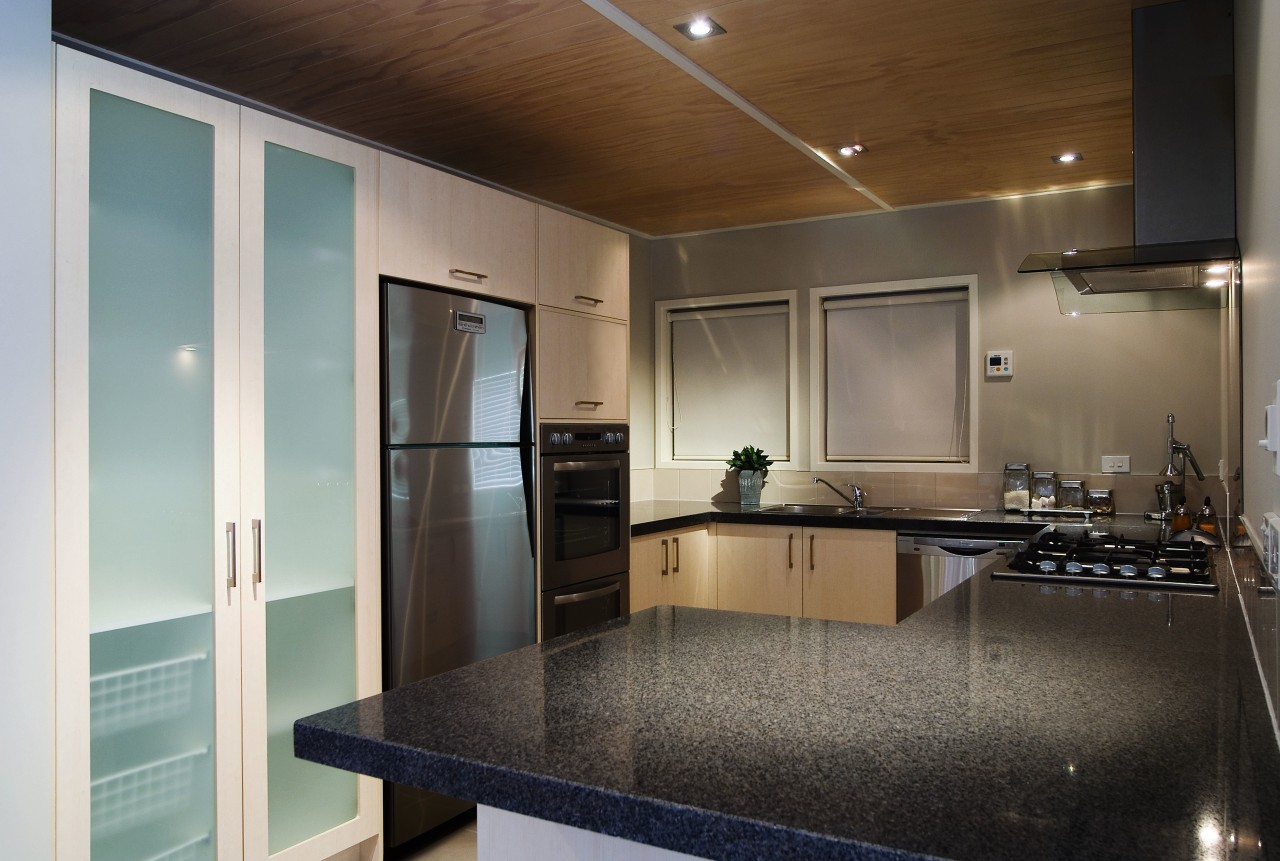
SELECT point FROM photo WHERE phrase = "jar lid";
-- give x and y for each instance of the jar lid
(1100, 492)
(1015, 466)
(1070, 483)
(1046, 474)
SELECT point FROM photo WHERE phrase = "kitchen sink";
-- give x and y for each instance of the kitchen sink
(815, 508)
(930, 513)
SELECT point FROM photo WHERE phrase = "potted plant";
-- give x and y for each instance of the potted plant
(752, 465)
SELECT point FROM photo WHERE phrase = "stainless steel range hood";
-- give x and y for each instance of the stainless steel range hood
(1183, 173)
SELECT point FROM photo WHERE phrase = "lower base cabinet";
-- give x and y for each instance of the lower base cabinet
(847, 575)
(676, 567)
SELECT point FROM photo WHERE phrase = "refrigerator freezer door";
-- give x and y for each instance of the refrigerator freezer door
(454, 368)
(459, 568)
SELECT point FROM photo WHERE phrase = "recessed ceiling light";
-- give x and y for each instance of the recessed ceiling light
(700, 28)
(1066, 158)
(852, 149)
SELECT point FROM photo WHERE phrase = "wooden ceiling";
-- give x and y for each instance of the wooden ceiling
(952, 100)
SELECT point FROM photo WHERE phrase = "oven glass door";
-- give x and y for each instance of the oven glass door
(585, 518)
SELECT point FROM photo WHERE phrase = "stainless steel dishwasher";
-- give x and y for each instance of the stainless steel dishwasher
(929, 566)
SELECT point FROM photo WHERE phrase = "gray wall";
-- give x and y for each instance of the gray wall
(1083, 386)
(1258, 219)
(26, 437)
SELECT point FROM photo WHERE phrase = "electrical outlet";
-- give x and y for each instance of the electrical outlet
(1115, 463)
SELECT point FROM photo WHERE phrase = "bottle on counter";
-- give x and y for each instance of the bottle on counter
(1017, 486)
(1207, 518)
(1181, 517)
(1044, 490)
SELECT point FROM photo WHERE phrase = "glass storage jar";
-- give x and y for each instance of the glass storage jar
(1101, 501)
(1044, 490)
(1017, 486)
(1071, 494)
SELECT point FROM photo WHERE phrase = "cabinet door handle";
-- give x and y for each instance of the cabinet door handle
(676, 568)
(593, 300)
(811, 537)
(790, 535)
(588, 403)
(666, 557)
(257, 550)
(231, 555)
(479, 276)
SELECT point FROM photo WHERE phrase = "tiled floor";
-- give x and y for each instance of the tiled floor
(459, 845)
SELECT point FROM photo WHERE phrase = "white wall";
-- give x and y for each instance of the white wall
(1258, 223)
(26, 434)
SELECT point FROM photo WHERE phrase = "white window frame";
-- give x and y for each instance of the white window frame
(663, 416)
(818, 383)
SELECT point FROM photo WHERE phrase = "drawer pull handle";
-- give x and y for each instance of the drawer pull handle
(676, 568)
(257, 551)
(790, 564)
(592, 404)
(666, 557)
(593, 300)
(231, 555)
(811, 537)
(479, 276)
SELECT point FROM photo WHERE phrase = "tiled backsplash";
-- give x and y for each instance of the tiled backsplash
(1132, 493)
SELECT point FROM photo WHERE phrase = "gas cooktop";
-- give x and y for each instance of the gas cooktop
(1113, 561)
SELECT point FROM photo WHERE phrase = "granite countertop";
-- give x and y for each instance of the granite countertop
(1004, 721)
(662, 515)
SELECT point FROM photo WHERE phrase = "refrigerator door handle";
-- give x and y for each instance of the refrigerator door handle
(526, 454)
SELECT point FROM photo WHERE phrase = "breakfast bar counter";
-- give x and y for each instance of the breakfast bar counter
(1004, 721)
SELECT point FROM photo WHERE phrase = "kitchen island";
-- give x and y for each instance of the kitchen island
(1004, 721)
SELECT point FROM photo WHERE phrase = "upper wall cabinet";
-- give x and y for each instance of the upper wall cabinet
(582, 266)
(443, 230)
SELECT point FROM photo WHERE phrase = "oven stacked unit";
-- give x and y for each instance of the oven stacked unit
(1112, 561)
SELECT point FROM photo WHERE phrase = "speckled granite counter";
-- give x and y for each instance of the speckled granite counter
(661, 515)
(1004, 721)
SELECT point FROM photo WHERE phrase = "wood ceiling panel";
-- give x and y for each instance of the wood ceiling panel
(952, 100)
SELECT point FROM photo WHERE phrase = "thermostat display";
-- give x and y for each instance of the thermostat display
(1000, 363)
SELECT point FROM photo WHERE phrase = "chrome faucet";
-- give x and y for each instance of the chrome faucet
(858, 500)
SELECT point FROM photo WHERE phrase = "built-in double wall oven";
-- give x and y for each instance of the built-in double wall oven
(586, 525)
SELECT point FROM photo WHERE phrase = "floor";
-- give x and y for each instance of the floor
(458, 845)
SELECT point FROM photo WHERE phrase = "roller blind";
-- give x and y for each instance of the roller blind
(729, 381)
(896, 376)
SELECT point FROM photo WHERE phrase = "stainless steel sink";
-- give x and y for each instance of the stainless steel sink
(815, 508)
(800, 508)
(930, 513)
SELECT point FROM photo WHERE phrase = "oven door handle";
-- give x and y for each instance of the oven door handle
(589, 595)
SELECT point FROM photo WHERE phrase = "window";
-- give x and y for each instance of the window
(726, 378)
(894, 380)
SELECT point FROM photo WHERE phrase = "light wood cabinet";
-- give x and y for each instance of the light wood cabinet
(444, 230)
(851, 575)
(582, 367)
(582, 266)
(842, 574)
(673, 568)
(220, 450)
(759, 568)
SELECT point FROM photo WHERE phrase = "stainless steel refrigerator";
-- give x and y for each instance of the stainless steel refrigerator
(457, 470)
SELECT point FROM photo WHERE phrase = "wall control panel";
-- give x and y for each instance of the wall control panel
(999, 364)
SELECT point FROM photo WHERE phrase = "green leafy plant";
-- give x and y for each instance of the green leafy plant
(750, 457)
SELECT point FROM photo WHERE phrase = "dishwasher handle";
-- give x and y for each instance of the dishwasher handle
(951, 545)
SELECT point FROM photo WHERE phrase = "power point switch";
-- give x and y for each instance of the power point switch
(1115, 463)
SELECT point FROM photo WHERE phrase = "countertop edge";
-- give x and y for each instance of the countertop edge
(641, 819)
(880, 522)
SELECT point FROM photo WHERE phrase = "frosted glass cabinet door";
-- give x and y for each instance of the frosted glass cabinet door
(301, 471)
(144, 613)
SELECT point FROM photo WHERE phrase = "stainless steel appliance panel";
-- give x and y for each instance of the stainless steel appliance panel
(455, 369)
(586, 520)
(460, 571)
(931, 566)
(582, 605)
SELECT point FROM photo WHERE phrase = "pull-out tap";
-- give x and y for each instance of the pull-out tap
(858, 500)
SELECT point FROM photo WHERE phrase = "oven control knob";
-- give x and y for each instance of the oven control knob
(609, 438)
(566, 437)
(555, 438)
(621, 437)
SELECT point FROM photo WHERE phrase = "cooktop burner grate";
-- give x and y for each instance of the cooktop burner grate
(1174, 565)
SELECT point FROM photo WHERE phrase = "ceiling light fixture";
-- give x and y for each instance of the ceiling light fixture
(1066, 158)
(852, 149)
(700, 28)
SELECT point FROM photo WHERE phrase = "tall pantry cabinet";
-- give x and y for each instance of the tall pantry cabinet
(216, 473)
